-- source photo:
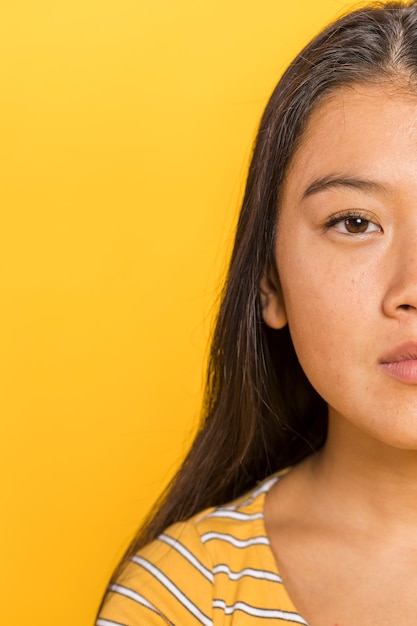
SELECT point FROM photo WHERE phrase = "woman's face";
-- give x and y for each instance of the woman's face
(346, 254)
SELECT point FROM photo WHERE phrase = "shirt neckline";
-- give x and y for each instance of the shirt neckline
(272, 564)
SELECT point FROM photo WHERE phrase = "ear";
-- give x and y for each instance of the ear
(272, 302)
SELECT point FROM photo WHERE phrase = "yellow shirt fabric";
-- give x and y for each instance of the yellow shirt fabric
(217, 568)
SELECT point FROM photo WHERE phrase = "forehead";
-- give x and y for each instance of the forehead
(366, 130)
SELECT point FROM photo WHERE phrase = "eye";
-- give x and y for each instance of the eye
(353, 224)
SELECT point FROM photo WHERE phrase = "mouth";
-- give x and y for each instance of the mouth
(401, 363)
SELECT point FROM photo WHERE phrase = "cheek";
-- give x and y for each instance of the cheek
(315, 319)
(327, 307)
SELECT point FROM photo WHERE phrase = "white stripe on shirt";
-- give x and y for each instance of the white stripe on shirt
(133, 595)
(239, 543)
(177, 593)
(248, 571)
(255, 612)
(189, 556)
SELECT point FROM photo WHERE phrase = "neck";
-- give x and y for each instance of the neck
(366, 481)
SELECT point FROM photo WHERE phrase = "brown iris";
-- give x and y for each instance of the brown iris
(356, 225)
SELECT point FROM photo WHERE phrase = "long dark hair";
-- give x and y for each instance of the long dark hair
(260, 412)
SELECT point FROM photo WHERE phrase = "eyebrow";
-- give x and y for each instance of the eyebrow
(329, 182)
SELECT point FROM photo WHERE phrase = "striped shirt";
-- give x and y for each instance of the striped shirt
(216, 568)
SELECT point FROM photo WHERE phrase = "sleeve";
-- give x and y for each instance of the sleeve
(169, 582)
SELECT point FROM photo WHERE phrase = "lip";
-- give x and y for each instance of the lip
(401, 363)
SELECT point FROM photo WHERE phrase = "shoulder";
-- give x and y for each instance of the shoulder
(175, 578)
(226, 531)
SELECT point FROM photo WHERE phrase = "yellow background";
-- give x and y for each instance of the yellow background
(125, 131)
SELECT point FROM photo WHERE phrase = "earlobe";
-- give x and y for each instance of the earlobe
(272, 303)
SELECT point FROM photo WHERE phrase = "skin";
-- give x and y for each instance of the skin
(343, 524)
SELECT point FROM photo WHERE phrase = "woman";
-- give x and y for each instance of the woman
(313, 366)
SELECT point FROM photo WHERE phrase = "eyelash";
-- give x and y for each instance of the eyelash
(340, 218)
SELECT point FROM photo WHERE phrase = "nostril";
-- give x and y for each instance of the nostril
(405, 307)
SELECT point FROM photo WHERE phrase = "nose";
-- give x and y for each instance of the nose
(401, 294)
